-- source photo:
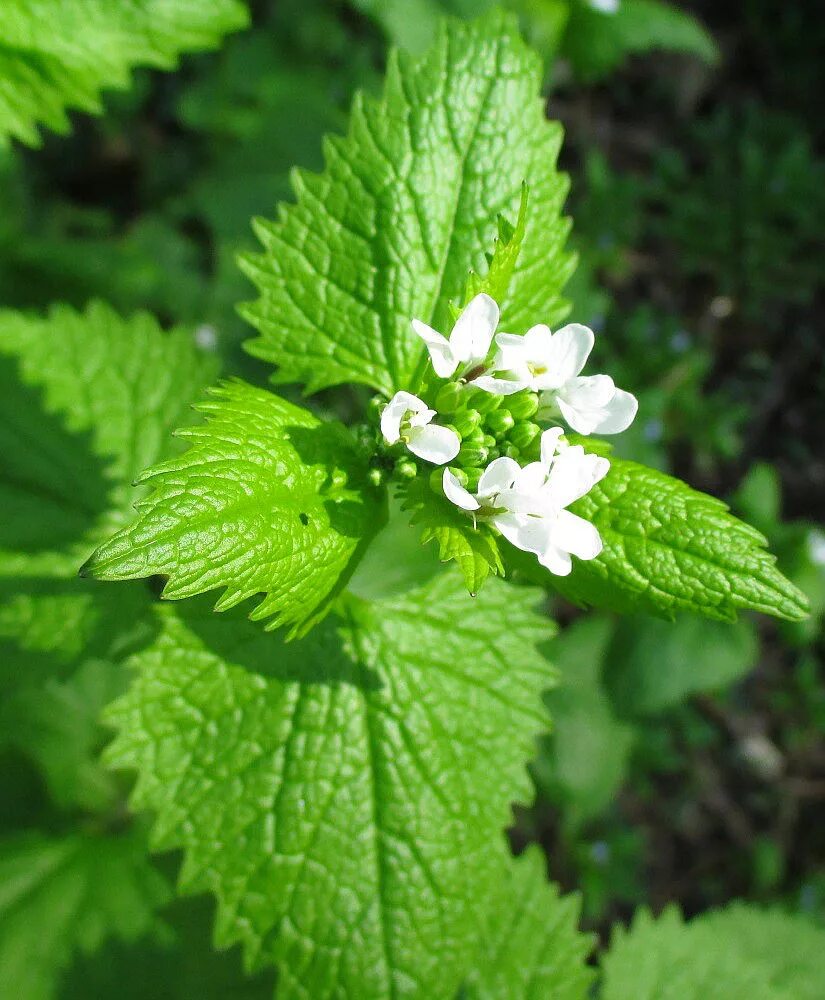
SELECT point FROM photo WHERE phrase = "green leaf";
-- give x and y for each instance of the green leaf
(474, 548)
(59, 896)
(653, 665)
(62, 643)
(502, 261)
(597, 43)
(742, 951)
(531, 947)
(268, 499)
(90, 402)
(342, 796)
(583, 762)
(59, 54)
(668, 548)
(404, 210)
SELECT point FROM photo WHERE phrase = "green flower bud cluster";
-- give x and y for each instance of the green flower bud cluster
(487, 425)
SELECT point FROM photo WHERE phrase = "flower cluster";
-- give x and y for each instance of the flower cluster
(496, 391)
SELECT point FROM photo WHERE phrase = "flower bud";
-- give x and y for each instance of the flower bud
(472, 476)
(375, 406)
(466, 421)
(499, 422)
(375, 476)
(405, 469)
(484, 402)
(475, 437)
(523, 405)
(449, 398)
(524, 434)
(511, 451)
(471, 455)
(489, 442)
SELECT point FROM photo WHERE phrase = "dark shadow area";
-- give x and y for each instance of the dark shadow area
(181, 964)
(322, 657)
(52, 486)
(67, 621)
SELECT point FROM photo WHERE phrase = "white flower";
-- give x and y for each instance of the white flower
(469, 341)
(527, 505)
(407, 417)
(550, 363)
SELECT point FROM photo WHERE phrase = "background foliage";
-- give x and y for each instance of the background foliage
(687, 761)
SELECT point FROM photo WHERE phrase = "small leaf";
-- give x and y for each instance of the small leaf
(402, 212)
(344, 796)
(69, 894)
(584, 760)
(668, 548)
(596, 43)
(59, 54)
(473, 547)
(268, 499)
(741, 951)
(90, 402)
(653, 665)
(531, 947)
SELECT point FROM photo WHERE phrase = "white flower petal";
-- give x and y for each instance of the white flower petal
(573, 474)
(455, 492)
(435, 444)
(499, 386)
(618, 414)
(441, 353)
(530, 534)
(559, 563)
(571, 533)
(512, 352)
(499, 475)
(532, 477)
(570, 349)
(550, 444)
(421, 418)
(474, 329)
(394, 412)
(588, 392)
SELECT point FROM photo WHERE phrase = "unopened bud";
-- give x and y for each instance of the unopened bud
(484, 402)
(405, 468)
(472, 476)
(523, 405)
(375, 406)
(524, 434)
(471, 455)
(499, 422)
(449, 398)
(466, 421)
(375, 476)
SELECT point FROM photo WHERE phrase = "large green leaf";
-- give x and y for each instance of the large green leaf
(406, 207)
(59, 54)
(343, 796)
(268, 499)
(742, 951)
(584, 760)
(531, 948)
(69, 894)
(652, 665)
(597, 43)
(90, 402)
(669, 548)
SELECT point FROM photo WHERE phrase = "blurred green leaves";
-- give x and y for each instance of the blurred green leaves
(59, 54)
